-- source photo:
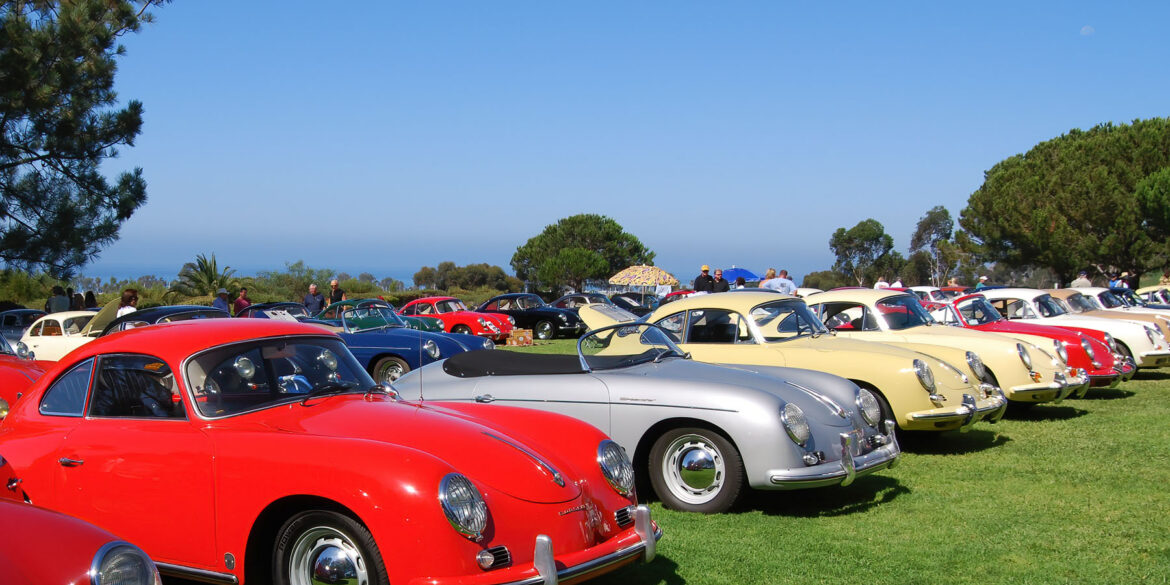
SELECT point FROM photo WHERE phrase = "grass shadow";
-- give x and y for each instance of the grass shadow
(1043, 412)
(1152, 376)
(865, 493)
(661, 570)
(1106, 394)
(951, 442)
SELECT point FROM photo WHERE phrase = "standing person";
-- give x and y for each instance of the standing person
(221, 301)
(90, 300)
(897, 282)
(314, 301)
(740, 282)
(129, 302)
(1165, 280)
(242, 301)
(785, 284)
(78, 302)
(58, 302)
(982, 283)
(881, 283)
(1082, 280)
(703, 282)
(769, 280)
(719, 284)
(336, 295)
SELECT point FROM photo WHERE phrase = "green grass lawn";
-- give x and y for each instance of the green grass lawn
(1072, 493)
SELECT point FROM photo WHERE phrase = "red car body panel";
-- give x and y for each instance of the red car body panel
(1105, 374)
(17, 375)
(190, 491)
(452, 319)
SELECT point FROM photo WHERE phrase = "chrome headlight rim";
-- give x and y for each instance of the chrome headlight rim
(616, 467)
(432, 349)
(795, 424)
(463, 505)
(22, 351)
(1112, 343)
(4, 408)
(112, 552)
(925, 375)
(482, 322)
(978, 367)
(1024, 356)
(488, 344)
(1061, 351)
(1150, 335)
(869, 408)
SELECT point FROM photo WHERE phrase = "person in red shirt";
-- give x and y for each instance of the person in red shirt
(242, 302)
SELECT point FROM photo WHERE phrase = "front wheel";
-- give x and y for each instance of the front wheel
(461, 329)
(545, 330)
(696, 470)
(389, 369)
(320, 546)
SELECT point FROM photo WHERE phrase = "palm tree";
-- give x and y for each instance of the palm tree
(202, 278)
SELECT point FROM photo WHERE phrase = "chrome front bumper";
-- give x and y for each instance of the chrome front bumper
(1078, 383)
(546, 567)
(970, 412)
(1153, 359)
(849, 467)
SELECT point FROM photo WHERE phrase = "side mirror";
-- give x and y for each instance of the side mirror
(390, 391)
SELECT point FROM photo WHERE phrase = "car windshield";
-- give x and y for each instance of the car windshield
(450, 306)
(620, 346)
(370, 317)
(5, 347)
(1130, 298)
(1111, 301)
(1079, 303)
(244, 377)
(529, 302)
(294, 309)
(782, 320)
(1160, 296)
(74, 325)
(903, 312)
(1048, 306)
(978, 311)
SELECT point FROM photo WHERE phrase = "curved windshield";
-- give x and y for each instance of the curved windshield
(5, 347)
(978, 311)
(903, 312)
(1130, 298)
(1079, 303)
(370, 317)
(250, 376)
(450, 306)
(529, 302)
(1048, 306)
(782, 320)
(620, 346)
(1111, 301)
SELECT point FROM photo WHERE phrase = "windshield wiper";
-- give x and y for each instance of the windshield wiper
(329, 388)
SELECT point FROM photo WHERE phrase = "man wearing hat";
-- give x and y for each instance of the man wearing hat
(982, 282)
(221, 300)
(704, 282)
(1082, 280)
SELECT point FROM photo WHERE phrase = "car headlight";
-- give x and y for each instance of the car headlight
(1112, 343)
(977, 367)
(328, 359)
(925, 376)
(563, 317)
(616, 467)
(1088, 347)
(1150, 334)
(489, 344)
(1024, 356)
(1061, 352)
(432, 349)
(795, 423)
(22, 350)
(867, 404)
(463, 506)
(3, 410)
(244, 367)
(482, 322)
(122, 563)
(512, 320)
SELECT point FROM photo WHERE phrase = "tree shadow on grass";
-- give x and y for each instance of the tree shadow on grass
(662, 569)
(952, 442)
(1043, 412)
(1106, 394)
(865, 493)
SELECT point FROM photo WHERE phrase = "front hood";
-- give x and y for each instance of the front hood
(484, 454)
(499, 320)
(1050, 331)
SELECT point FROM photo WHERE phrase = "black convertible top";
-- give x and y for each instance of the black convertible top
(490, 362)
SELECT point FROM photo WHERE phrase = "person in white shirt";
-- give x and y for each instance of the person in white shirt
(129, 302)
(881, 283)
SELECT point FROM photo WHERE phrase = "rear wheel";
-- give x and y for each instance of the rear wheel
(545, 330)
(320, 546)
(461, 329)
(696, 470)
(389, 369)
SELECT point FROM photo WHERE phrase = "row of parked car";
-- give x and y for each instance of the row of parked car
(275, 449)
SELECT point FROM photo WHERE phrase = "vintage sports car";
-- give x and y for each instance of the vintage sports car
(916, 391)
(261, 310)
(1157, 294)
(56, 334)
(574, 301)
(1131, 298)
(16, 375)
(333, 312)
(1025, 372)
(1141, 342)
(700, 433)
(260, 451)
(636, 303)
(41, 546)
(1083, 349)
(1101, 302)
(529, 311)
(163, 314)
(457, 318)
(929, 293)
(14, 322)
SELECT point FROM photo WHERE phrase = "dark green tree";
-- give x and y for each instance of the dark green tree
(1072, 202)
(203, 277)
(59, 119)
(541, 261)
(859, 248)
(825, 280)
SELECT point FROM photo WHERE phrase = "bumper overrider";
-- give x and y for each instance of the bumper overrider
(1078, 382)
(1054, 391)
(848, 468)
(1153, 359)
(971, 411)
(639, 544)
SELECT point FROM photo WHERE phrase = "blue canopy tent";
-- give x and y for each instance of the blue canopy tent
(733, 273)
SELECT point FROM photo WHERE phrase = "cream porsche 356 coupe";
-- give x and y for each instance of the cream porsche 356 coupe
(1100, 302)
(1025, 372)
(917, 391)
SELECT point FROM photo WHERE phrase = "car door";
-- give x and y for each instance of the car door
(581, 396)
(137, 467)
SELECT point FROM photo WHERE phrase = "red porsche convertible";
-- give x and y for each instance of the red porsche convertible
(457, 318)
(260, 451)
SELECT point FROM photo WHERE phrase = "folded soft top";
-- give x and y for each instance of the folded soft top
(490, 362)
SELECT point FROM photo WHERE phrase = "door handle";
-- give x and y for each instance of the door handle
(485, 398)
(66, 462)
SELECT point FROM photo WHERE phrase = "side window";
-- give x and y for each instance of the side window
(847, 317)
(10, 320)
(494, 306)
(66, 397)
(35, 330)
(712, 326)
(673, 326)
(135, 386)
(50, 327)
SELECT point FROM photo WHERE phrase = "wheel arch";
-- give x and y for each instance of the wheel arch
(641, 455)
(262, 536)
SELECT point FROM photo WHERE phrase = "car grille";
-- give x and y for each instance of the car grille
(501, 555)
(625, 516)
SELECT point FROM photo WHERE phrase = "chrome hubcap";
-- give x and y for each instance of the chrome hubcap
(324, 556)
(391, 372)
(544, 329)
(694, 469)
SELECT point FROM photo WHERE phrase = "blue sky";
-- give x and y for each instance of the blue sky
(384, 136)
